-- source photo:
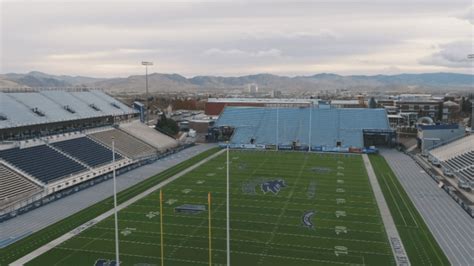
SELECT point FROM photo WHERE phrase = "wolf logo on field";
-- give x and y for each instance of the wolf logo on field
(273, 185)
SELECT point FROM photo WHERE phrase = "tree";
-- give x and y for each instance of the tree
(167, 126)
(372, 103)
(466, 105)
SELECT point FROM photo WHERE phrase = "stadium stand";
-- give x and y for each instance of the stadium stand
(329, 127)
(54, 143)
(149, 135)
(42, 162)
(458, 156)
(125, 143)
(14, 186)
(87, 151)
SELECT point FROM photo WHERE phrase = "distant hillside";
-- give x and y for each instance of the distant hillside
(175, 82)
(39, 79)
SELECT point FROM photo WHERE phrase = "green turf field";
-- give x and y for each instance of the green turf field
(266, 228)
(420, 245)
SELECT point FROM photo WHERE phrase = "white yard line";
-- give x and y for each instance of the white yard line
(45, 248)
(398, 249)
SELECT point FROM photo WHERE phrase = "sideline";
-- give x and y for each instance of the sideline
(47, 247)
(398, 249)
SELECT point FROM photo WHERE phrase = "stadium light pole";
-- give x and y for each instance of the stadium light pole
(471, 56)
(146, 64)
(117, 257)
(228, 209)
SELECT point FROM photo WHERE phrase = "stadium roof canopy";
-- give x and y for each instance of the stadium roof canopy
(328, 126)
(49, 106)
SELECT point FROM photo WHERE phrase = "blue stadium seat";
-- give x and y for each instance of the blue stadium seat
(87, 151)
(328, 126)
(42, 162)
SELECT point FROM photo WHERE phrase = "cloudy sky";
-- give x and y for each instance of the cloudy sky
(106, 38)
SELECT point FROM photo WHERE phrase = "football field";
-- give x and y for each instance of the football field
(286, 208)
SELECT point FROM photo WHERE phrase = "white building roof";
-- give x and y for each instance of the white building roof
(17, 107)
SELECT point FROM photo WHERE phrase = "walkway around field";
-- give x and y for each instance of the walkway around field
(45, 248)
(394, 238)
(451, 226)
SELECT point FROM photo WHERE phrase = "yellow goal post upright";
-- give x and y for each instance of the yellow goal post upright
(161, 229)
(210, 227)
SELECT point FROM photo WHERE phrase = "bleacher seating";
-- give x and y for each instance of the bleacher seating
(42, 162)
(87, 151)
(458, 156)
(452, 149)
(14, 186)
(149, 135)
(124, 143)
(327, 125)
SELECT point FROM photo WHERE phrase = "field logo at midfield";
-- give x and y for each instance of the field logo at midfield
(273, 185)
(340, 250)
(340, 181)
(340, 214)
(200, 182)
(306, 219)
(104, 262)
(339, 229)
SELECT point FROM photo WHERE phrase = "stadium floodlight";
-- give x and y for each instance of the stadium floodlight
(146, 64)
(227, 209)
(117, 257)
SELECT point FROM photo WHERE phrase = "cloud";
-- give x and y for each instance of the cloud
(232, 37)
(468, 15)
(453, 55)
(239, 53)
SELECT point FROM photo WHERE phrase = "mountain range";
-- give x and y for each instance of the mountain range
(175, 82)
